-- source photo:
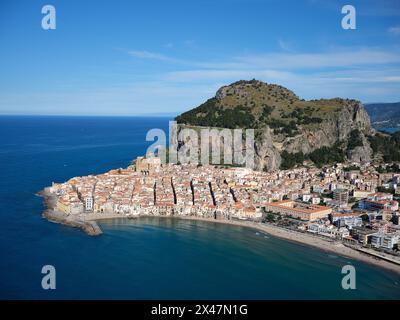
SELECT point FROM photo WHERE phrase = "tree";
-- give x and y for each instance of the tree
(386, 190)
(270, 217)
(290, 160)
(327, 155)
(355, 140)
(386, 144)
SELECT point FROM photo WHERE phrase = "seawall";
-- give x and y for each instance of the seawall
(51, 214)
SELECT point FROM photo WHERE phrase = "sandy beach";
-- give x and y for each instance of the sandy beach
(329, 245)
(88, 223)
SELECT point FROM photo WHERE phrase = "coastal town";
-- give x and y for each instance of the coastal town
(355, 205)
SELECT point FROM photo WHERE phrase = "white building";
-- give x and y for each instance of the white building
(89, 203)
(384, 240)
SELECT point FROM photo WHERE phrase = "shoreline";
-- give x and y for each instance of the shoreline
(88, 223)
(89, 227)
(287, 235)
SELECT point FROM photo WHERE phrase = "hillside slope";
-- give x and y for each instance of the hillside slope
(289, 130)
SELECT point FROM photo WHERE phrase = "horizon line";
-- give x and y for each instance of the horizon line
(150, 115)
(155, 115)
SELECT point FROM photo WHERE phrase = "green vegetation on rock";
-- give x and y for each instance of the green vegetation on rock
(388, 145)
(394, 168)
(290, 160)
(327, 155)
(351, 168)
(320, 157)
(255, 104)
(207, 115)
(323, 131)
(354, 140)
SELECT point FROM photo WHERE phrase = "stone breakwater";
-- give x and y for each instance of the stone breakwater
(51, 214)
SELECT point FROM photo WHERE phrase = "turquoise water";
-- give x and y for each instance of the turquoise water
(149, 258)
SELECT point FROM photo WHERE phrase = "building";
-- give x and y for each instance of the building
(299, 210)
(383, 240)
(379, 201)
(379, 196)
(328, 230)
(89, 203)
(361, 194)
(147, 165)
(341, 196)
(362, 234)
(349, 220)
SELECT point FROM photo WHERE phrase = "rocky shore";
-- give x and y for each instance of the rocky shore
(89, 226)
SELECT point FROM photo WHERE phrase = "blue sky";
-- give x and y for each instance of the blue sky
(143, 57)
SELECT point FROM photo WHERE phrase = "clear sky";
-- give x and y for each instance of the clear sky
(140, 57)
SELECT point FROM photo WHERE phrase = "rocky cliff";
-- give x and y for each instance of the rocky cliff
(286, 125)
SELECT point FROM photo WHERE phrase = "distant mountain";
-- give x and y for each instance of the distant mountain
(384, 115)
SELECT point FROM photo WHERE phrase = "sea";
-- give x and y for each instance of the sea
(390, 130)
(147, 258)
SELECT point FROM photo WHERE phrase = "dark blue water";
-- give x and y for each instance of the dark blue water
(390, 130)
(148, 258)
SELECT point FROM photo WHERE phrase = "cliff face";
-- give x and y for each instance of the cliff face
(267, 156)
(352, 117)
(283, 122)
